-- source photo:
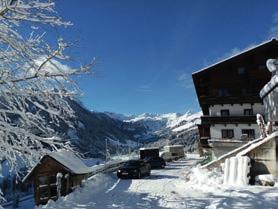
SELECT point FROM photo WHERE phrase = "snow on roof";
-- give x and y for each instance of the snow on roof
(175, 145)
(235, 55)
(70, 161)
(148, 148)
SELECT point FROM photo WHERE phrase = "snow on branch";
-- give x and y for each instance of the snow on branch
(36, 84)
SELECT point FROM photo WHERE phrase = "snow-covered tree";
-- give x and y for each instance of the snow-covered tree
(262, 126)
(35, 82)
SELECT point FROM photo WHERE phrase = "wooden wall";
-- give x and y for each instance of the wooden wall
(238, 87)
(44, 180)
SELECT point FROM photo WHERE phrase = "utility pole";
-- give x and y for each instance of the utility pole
(106, 150)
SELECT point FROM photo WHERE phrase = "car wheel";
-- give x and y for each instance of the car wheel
(163, 166)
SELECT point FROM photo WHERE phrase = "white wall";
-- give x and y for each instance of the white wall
(215, 131)
(236, 109)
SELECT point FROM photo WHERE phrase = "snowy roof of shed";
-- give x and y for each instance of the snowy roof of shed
(70, 161)
(149, 148)
(66, 158)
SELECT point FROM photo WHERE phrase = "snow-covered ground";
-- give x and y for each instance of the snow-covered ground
(176, 186)
(167, 188)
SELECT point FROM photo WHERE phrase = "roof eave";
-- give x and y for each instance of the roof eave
(234, 56)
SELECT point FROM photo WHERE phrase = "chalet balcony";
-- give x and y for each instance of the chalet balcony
(206, 120)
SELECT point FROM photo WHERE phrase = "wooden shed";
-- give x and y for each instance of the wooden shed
(56, 174)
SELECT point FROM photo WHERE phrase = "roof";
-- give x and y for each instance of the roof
(273, 40)
(175, 145)
(70, 161)
(208, 86)
(149, 148)
(66, 158)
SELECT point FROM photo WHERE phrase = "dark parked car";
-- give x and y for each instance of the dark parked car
(134, 169)
(156, 162)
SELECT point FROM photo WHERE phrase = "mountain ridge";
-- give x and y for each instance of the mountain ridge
(96, 132)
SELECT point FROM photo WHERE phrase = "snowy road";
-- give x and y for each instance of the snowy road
(107, 191)
(166, 188)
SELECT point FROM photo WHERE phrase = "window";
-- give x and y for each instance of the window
(262, 67)
(248, 112)
(249, 132)
(227, 133)
(244, 91)
(223, 92)
(247, 91)
(225, 112)
(241, 70)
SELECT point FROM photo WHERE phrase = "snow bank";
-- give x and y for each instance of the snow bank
(204, 178)
(97, 184)
(236, 171)
(266, 180)
(265, 177)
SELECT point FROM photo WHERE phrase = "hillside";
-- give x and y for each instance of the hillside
(93, 130)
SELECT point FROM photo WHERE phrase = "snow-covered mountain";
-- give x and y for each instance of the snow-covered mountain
(171, 128)
(159, 125)
(95, 131)
(156, 122)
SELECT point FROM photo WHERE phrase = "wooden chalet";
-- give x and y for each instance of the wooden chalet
(44, 176)
(228, 93)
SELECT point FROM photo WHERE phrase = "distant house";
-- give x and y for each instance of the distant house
(228, 93)
(62, 165)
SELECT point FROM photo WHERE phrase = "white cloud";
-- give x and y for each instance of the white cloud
(52, 67)
(185, 80)
(145, 88)
(230, 53)
(273, 31)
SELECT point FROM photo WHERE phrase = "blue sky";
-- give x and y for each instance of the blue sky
(146, 50)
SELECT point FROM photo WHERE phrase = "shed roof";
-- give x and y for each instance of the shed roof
(149, 148)
(67, 159)
(70, 161)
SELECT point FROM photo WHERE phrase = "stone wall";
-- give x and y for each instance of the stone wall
(264, 159)
(262, 152)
